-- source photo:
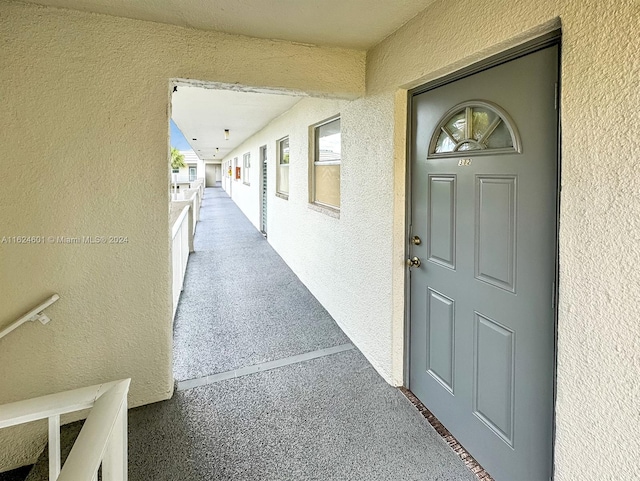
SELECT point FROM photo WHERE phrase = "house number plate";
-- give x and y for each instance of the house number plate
(464, 162)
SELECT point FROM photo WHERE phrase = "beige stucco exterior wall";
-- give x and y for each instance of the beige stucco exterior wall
(85, 99)
(598, 399)
(85, 109)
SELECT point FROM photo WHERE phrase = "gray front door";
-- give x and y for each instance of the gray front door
(484, 207)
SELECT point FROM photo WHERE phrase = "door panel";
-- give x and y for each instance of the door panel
(493, 376)
(482, 320)
(440, 338)
(495, 236)
(441, 223)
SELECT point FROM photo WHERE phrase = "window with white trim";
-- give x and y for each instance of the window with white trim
(282, 178)
(327, 157)
(246, 161)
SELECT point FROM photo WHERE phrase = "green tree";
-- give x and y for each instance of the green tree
(177, 159)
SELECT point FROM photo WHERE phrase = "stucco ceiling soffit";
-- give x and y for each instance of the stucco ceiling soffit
(203, 114)
(358, 24)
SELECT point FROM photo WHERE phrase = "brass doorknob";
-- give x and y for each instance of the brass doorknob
(414, 262)
(416, 241)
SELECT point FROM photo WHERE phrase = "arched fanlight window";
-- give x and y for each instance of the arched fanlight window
(474, 127)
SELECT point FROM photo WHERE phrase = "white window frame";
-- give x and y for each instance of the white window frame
(313, 162)
(279, 163)
(235, 169)
(195, 175)
(246, 163)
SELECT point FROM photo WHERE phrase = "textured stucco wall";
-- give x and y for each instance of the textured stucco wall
(84, 125)
(598, 413)
(99, 85)
(345, 262)
(246, 196)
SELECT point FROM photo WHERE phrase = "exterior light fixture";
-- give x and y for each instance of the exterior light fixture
(226, 134)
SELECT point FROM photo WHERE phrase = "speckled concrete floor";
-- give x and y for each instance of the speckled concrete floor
(329, 418)
(332, 418)
(241, 304)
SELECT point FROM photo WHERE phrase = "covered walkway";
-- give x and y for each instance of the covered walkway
(315, 411)
(268, 388)
(323, 414)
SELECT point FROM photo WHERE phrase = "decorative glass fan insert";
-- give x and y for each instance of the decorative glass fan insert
(474, 127)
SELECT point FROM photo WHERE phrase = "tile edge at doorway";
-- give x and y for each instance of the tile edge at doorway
(453, 443)
(265, 366)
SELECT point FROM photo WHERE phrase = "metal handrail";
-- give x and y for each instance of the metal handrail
(34, 314)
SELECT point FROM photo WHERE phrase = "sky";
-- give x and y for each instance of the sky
(177, 139)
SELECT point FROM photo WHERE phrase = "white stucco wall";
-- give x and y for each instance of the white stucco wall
(85, 113)
(246, 196)
(598, 399)
(214, 174)
(345, 262)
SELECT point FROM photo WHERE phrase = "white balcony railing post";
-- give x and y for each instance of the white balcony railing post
(54, 447)
(179, 253)
(114, 463)
(102, 440)
(89, 449)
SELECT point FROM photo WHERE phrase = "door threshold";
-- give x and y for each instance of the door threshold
(262, 367)
(462, 453)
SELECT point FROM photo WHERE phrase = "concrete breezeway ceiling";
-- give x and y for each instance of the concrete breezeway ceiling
(204, 113)
(356, 24)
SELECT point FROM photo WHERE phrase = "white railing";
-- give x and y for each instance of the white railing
(192, 197)
(102, 440)
(34, 314)
(179, 254)
(198, 184)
